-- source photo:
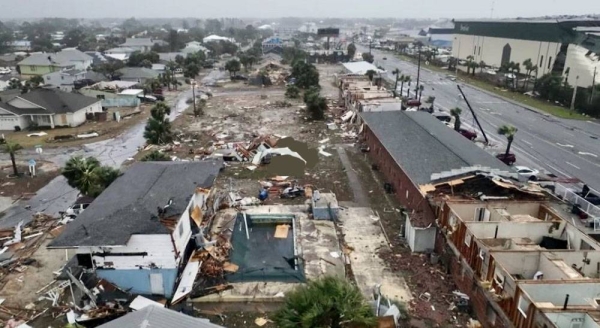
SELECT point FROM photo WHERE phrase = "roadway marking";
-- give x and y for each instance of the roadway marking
(527, 142)
(586, 153)
(492, 124)
(573, 165)
(568, 146)
(571, 134)
(557, 170)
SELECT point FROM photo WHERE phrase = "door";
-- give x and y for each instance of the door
(505, 54)
(156, 284)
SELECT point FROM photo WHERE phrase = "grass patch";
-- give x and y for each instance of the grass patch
(516, 96)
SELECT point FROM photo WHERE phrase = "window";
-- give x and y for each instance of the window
(549, 62)
(180, 229)
(468, 238)
(479, 51)
(482, 214)
(62, 77)
(32, 68)
(523, 306)
(474, 49)
(542, 61)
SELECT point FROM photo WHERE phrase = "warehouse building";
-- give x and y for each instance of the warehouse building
(554, 46)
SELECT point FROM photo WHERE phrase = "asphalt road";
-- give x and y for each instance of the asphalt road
(567, 148)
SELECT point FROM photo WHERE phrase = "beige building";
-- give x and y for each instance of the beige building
(554, 46)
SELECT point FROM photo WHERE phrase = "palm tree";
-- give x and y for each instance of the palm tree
(482, 65)
(12, 148)
(326, 302)
(396, 72)
(509, 132)
(515, 68)
(421, 88)
(14, 84)
(430, 100)
(408, 80)
(88, 175)
(370, 73)
(469, 60)
(529, 67)
(158, 128)
(456, 113)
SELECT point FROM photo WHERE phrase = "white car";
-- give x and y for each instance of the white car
(526, 172)
(76, 209)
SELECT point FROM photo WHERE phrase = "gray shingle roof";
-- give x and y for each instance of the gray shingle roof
(131, 73)
(65, 57)
(137, 42)
(22, 111)
(158, 317)
(58, 102)
(128, 205)
(422, 145)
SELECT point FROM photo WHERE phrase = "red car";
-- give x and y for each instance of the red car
(471, 135)
(508, 159)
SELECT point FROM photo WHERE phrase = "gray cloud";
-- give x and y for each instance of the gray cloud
(297, 8)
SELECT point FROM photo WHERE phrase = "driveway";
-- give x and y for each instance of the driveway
(58, 195)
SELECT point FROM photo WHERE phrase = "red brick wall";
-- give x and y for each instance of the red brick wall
(467, 283)
(394, 175)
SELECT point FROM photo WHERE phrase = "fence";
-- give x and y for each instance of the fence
(120, 102)
(590, 209)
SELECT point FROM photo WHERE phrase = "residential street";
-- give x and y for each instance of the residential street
(58, 195)
(567, 148)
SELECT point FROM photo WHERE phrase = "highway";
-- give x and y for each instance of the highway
(567, 148)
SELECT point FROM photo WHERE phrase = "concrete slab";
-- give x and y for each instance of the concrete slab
(317, 244)
(364, 235)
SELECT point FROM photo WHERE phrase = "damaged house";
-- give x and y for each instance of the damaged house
(413, 150)
(137, 233)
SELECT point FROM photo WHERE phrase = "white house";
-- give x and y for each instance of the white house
(64, 80)
(137, 233)
(214, 37)
(47, 107)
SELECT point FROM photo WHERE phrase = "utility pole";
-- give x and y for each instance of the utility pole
(593, 86)
(370, 44)
(473, 113)
(418, 72)
(194, 97)
(574, 93)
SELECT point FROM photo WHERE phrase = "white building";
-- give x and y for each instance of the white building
(554, 46)
(137, 233)
(47, 108)
(64, 80)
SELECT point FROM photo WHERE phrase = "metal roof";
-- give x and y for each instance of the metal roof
(422, 145)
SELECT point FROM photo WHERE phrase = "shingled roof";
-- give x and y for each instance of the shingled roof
(128, 206)
(157, 317)
(422, 145)
(55, 101)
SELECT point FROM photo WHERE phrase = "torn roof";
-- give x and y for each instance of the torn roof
(129, 205)
(423, 146)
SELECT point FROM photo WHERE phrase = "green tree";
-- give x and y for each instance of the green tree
(145, 63)
(430, 100)
(326, 302)
(191, 70)
(351, 51)
(74, 37)
(13, 148)
(315, 104)
(371, 74)
(292, 92)
(158, 128)
(509, 132)
(482, 65)
(14, 84)
(6, 36)
(529, 68)
(88, 176)
(109, 69)
(368, 57)
(36, 81)
(549, 86)
(174, 40)
(306, 75)
(155, 156)
(233, 66)
(456, 113)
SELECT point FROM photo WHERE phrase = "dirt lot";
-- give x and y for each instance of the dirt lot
(419, 274)
(17, 187)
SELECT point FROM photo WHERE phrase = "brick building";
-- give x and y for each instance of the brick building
(414, 151)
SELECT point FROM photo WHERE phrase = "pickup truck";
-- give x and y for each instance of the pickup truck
(508, 159)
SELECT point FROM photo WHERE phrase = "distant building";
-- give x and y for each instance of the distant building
(213, 37)
(64, 80)
(141, 44)
(271, 43)
(554, 46)
(43, 63)
(138, 74)
(21, 45)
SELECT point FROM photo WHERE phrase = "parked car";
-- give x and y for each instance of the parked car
(509, 159)
(159, 97)
(5, 70)
(76, 209)
(147, 98)
(526, 172)
(471, 135)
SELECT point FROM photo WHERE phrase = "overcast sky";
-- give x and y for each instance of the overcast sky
(296, 8)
